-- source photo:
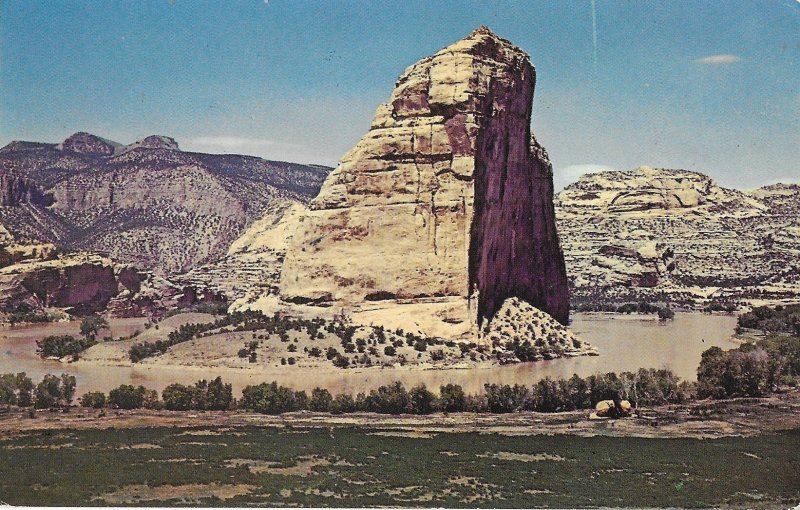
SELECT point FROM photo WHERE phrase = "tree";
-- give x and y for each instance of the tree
(321, 400)
(665, 314)
(389, 399)
(451, 398)
(93, 399)
(179, 397)
(91, 324)
(54, 391)
(219, 396)
(127, 396)
(269, 399)
(422, 400)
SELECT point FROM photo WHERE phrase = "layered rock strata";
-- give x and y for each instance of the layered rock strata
(446, 201)
(658, 233)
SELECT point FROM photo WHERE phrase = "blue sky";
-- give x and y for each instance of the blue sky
(706, 86)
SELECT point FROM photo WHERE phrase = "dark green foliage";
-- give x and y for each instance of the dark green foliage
(340, 361)
(93, 399)
(76, 468)
(321, 400)
(127, 396)
(780, 319)
(505, 398)
(54, 391)
(63, 345)
(269, 399)
(389, 399)
(451, 398)
(179, 397)
(16, 389)
(389, 350)
(203, 396)
(422, 401)
(91, 324)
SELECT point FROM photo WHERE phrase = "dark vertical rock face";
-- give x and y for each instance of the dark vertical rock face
(448, 193)
(514, 245)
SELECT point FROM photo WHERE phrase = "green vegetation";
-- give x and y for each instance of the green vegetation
(127, 396)
(54, 391)
(63, 345)
(91, 325)
(364, 467)
(204, 396)
(755, 369)
(780, 319)
(642, 307)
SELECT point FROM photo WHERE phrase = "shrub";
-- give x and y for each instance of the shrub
(269, 399)
(93, 399)
(127, 396)
(389, 399)
(340, 361)
(63, 345)
(321, 400)
(451, 398)
(422, 401)
(179, 397)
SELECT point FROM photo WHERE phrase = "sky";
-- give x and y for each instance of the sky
(707, 86)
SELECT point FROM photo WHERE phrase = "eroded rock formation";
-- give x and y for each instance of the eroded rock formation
(446, 200)
(654, 233)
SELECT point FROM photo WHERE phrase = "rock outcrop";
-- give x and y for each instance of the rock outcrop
(675, 234)
(87, 143)
(446, 201)
(148, 204)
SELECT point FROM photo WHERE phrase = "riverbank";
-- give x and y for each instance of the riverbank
(704, 419)
(623, 343)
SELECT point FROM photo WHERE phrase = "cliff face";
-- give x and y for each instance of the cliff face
(447, 196)
(644, 233)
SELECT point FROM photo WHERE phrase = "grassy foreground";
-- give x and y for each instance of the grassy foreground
(353, 466)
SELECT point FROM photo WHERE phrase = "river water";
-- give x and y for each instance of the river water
(623, 342)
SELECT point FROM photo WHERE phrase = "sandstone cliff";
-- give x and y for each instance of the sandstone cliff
(658, 233)
(444, 205)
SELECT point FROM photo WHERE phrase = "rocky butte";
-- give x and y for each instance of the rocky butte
(443, 211)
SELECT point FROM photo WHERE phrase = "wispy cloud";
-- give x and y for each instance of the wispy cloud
(721, 59)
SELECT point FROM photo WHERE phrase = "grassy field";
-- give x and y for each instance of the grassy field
(273, 466)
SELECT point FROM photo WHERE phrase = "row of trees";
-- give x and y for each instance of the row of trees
(780, 319)
(52, 391)
(751, 370)
(642, 307)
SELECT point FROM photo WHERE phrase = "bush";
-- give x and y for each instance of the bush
(54, 391)
(269, 399)
(389, 399)
(93, 399)
(389, 350)
(127, 396)
(451, 398)
(340, 361)
(422, 401)
(62, 345)
(321, 400)
(179, 397)
(91, 325)
(16, 389)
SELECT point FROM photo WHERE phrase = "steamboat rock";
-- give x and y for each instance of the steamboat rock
(444, 209)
